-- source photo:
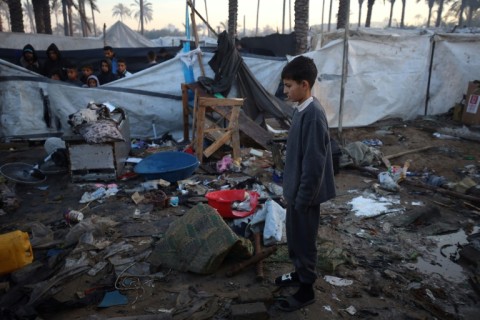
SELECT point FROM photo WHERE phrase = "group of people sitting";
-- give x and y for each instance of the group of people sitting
(56, 67)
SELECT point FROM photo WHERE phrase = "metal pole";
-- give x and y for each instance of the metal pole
(344, 72)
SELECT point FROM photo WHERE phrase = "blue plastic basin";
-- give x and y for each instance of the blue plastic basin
(171, 166)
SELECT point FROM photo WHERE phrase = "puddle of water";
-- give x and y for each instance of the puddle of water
(442, 265)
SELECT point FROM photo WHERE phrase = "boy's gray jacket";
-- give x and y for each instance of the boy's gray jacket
(308, 178)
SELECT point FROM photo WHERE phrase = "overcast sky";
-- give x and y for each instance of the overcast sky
(167, 12)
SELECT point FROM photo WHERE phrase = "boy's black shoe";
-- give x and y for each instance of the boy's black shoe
(288, 279)
(302, 298)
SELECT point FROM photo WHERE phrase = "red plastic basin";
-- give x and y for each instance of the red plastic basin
(222, 200)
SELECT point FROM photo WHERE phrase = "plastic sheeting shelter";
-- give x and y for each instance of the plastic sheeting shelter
(388, 76)
(118, 35)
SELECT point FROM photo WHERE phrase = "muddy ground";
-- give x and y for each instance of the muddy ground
(405, 262)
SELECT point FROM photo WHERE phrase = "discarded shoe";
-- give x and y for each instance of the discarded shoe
(290, 304)
(288, 279)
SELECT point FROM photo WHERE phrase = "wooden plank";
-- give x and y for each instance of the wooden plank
(185, 112)
(235, 132)
(215, 102)
(217, 144)
(200, 119)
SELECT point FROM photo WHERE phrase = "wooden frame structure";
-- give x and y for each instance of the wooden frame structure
(229, 110)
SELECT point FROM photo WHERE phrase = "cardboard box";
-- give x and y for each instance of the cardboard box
(471, 111)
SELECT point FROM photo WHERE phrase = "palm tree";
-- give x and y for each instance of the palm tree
(439, 13)
(370, 4)
(144, 13)
(41, 10)
(430, 4)
(392, 2)
(342, 14)
(28, 10)
(360, 3)
(232, 18)
(473, 6)
(16, 15)
(301, 26)
(458, 8)
(93, 7)
(55, 8)
(402, 19)
(5, 12)
(121, 11)
(84, 26)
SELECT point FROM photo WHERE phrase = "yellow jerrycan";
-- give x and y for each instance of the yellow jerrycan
(15, 251)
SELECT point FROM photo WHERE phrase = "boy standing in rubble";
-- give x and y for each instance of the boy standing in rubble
(308, 180)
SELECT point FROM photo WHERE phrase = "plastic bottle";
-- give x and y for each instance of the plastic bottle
(15, 251)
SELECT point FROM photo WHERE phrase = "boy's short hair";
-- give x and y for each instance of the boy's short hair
(301, 68)
(107, 48)
(70, 65)
(87, 66)
(121, 60)
(151, 54)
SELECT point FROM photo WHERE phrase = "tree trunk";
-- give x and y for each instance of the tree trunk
(301, 26)
(70, 19)
(16, 15)
(47, 19)
(439, 13)
(470, 16)
(31, 16)
(370, 4)
(41, 9)
(460, 13)
(342, 14)
(429, 16)
(65, 18)
(93, 21)
(38, 12)
(402, 20)
(141, 17)
(360, 4)
(232, 18)
(392, 2)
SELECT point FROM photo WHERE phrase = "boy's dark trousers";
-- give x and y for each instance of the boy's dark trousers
(302, 229)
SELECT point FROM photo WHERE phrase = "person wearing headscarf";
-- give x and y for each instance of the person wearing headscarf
(29, 59)
(106, 75)
(54, 62)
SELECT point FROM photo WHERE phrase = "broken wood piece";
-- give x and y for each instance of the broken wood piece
(386, 159)
(257, 257)
(396, 155)
(442, 191)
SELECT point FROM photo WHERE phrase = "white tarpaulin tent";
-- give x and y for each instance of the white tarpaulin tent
(121, 36)
(118, 36)
(388, 76)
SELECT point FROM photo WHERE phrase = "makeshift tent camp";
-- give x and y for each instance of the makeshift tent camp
(388, 76)
(118, 36)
